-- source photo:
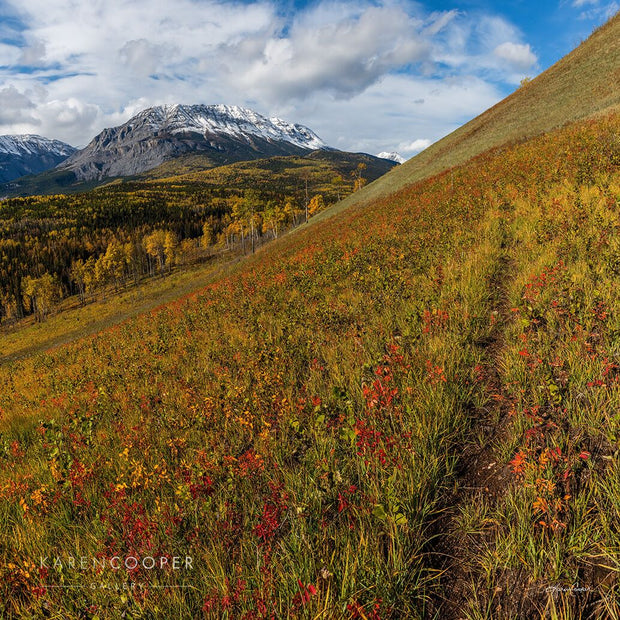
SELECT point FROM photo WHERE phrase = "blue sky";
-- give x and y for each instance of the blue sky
(366, 75)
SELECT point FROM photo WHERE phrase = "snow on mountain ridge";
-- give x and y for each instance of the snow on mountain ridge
(223, 119)
(392, 156)
(223, 134)
(31, 144)
(30, 154)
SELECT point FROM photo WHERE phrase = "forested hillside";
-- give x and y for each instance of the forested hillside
(85, 244)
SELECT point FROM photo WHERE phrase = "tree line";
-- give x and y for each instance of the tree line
(53, 247)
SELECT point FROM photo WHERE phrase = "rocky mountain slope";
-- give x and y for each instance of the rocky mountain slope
(224, 133)
(30, 154)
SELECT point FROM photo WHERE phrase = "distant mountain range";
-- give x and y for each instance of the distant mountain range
(213, 135)
(30, 154)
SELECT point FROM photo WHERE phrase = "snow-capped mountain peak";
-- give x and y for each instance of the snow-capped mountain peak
(30, 154)
(392, 156)
(30, 144)
(228, 120)
(221, 133)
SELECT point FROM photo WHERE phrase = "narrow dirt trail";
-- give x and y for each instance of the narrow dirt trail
(482, 477)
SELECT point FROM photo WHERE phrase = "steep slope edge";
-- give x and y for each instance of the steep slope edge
(583, 83)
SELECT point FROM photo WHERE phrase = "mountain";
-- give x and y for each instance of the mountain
(30, 154)
(392, 156)
(583, 83)
(224, 134)
(168, 141)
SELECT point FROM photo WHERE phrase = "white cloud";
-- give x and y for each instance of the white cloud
(341, 57)
(145, 58)
(33, 55)
(68, 113)
(439, 21)
(15, 107)
(414, 147)
(388, 114)
(368, 75)
(485, 45)
(32, 112)
(518, 55)
(597, 11)
(9, 54)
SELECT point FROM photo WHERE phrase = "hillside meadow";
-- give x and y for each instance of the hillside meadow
(406, 411)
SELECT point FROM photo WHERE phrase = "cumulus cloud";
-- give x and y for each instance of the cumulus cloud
(9, 54)
(33, 54)
(340, 57)
(143, 57)
(387, 116)
(105, 54)
(366, 75)
(15, 107)
(485, 45)
(32, 112)
(68, 113)
(414, 147)
(517, 55)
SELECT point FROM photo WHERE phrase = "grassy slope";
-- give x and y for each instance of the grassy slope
(581, 84)
(420, 422)
(73, 321)
(298, 426)
(284, 175)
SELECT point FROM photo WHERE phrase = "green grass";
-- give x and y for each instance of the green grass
(72, 321)
(307, 427)
(560, 360)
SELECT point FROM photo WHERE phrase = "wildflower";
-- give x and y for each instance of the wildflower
(306, 592)
(518, 462)
(435, 374)
(541, 504)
